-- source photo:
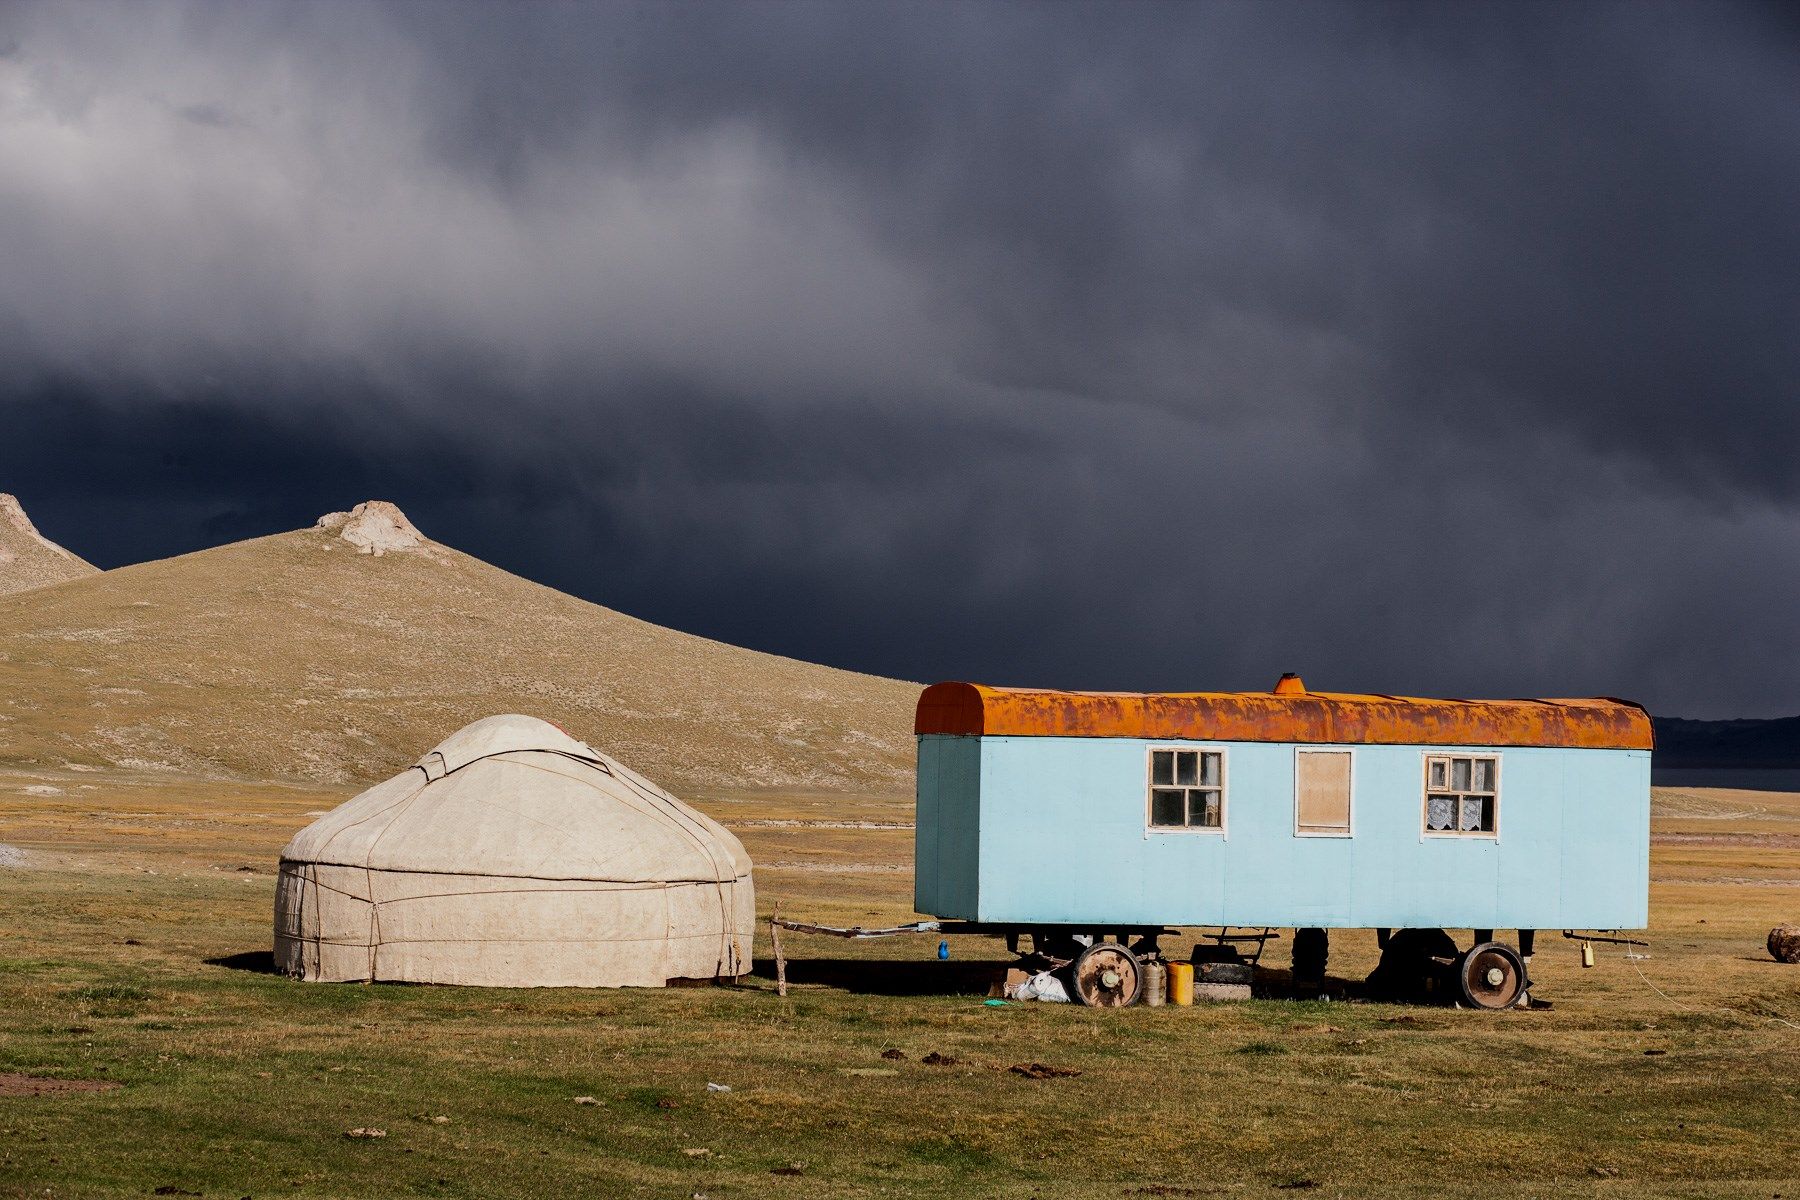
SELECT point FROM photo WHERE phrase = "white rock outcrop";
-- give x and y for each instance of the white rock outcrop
(375, 527)
(13, 514)
(28, 559)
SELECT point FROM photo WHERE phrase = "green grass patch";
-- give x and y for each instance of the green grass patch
(110, 991)
(953, 1153)
(1261, 1048)
(237, 1082)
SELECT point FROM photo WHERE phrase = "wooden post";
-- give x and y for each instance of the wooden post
(780, 959)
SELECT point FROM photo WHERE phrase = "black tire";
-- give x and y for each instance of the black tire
(1215, 952)
(1312, 948)
(1224, 972)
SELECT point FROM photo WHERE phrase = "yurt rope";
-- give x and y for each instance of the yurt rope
(369, 876)
(726, 946)
(1633, 960)
(668, 810)
(658, 810)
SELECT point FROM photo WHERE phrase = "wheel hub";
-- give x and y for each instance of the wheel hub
(1492, 976)
(1107, 975)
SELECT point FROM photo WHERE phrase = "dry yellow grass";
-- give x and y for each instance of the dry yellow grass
(127, 934)
(294, 657)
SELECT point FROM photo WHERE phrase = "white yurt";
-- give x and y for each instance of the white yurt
(514, 856)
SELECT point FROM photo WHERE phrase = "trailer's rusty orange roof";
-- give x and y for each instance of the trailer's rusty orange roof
(1290, 714)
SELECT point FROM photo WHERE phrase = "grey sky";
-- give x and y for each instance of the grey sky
(1446, 349)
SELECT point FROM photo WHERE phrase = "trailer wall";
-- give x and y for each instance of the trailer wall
(1052, 830)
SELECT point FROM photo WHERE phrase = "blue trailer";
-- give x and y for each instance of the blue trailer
(1079, 817)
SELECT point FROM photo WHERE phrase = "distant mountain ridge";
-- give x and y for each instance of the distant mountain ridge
(1768, 744)
(343, 652)
(340, 652)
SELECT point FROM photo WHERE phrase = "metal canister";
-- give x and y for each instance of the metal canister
(1181, 983)
(1156, 980)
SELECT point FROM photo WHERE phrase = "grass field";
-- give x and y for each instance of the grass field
(133, 948)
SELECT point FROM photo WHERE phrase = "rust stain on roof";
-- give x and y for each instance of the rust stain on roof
(1291, 716)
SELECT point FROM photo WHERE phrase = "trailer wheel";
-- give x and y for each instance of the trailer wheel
(1492, 975)
(1108, 975)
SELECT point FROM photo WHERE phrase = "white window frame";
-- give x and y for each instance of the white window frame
(1350, 830)
(1224, 824)
(1425, 791)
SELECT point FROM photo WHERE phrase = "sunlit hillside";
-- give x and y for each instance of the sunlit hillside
(309, 656)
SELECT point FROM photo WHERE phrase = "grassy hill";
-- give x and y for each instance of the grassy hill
(28, 559)
(341, 654)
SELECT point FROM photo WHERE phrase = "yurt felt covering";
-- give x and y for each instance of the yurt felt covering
(514, 855)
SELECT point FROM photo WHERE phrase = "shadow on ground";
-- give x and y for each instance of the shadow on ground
(892, 977)
(260, 962)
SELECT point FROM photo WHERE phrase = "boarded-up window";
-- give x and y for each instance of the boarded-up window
(1322, 792)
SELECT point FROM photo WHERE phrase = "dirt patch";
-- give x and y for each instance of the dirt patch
(788, 823)
(1729, 881)
(837, 868)
(1727, 839)
(12, 1084)
(1038, 1070)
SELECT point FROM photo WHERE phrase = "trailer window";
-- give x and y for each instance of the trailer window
(1187, 789)
(1322, 793)
(1462, 793)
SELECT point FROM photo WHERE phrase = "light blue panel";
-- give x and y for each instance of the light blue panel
(1062, 839)
(947, 827)
(1607, 851)
(1409, 880)
(1261, 845)
(1063, 848)
(1533, 826)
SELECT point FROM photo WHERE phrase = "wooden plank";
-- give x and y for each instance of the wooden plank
(780, 958)
(1322, 791)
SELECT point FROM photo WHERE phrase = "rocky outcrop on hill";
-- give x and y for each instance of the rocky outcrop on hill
(28, 559)
(375, 527)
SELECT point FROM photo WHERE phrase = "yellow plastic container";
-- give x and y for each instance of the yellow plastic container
(1181, 983)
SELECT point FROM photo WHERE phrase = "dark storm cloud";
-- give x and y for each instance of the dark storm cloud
(1420, 348)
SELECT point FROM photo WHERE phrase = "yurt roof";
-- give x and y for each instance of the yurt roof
(500, 735)
(515, 796)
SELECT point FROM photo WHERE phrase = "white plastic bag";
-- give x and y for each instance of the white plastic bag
(1043, 986)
